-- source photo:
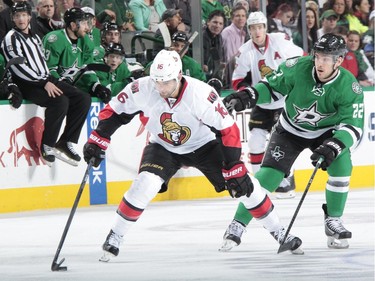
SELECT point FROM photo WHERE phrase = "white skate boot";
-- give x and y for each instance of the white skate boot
(111, 246)
(292, 243)
(337, 234)
(232, 236)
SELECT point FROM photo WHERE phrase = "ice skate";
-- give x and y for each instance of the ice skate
(48, 154)
(291, 243)
(286, 189)
(232, 236)
(111, 246)
(337, 234)
(65, 152)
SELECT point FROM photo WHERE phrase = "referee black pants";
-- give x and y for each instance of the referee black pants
(73, 104)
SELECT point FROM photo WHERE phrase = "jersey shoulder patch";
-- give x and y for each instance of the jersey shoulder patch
(356, 88)
(52, 38)
(291, 62)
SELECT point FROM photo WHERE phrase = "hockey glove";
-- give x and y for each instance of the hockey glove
(94, 149)
(102, 92)
(237, 179)
(329, 150)
(15, 96)
(241, 100)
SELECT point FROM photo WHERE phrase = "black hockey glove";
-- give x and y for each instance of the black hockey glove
(329, 150)
(237, 179)
(241, 100)
(15, 96)
(216, 84)
(102, 93)
(94, 149)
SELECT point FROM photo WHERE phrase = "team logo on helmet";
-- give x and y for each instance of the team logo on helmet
(173, 133)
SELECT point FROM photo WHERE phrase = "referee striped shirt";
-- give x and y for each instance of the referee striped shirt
(18, 44)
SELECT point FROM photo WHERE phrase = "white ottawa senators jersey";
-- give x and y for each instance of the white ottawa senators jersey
(179, 125)
(262, 61)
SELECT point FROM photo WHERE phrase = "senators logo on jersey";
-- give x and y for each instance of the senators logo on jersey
(173, 133)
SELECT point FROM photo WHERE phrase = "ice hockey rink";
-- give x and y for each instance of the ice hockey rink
(179, 240)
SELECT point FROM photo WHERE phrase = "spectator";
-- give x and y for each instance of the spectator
(117, 11)
(328, 20)
(368, 39)
(280, 20)
(345, 13)
(315, 6)
(208, 6)
(6, 22)
(147, 13)
(366, 74)
(40, 87)
(234, 36)
(119, 75)
(69, 50)
(311, 29)
(350, 61)
(173, 20)
(94, 34)
(361, 9)
(62, 6)
(185, 8)
(46, 9)
(246, 5)
(213, 49)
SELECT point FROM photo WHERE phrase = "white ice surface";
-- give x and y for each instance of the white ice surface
(179, 240)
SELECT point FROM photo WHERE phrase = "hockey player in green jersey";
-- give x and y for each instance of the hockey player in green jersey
(119, 75)
(94, 34)
(69, 50)
(323, 112)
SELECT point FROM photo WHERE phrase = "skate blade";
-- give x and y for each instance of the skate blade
(286, 195)
(334, 243)
(298, 251)
(227, 245)
(61, 156)
(106, 257)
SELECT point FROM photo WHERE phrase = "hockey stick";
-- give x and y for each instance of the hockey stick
(56, 266)
(282, 247)
(12, 61)
(91, 67)
(187, 45)
(166, 36)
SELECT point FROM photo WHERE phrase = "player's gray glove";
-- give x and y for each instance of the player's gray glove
(329, 150)
(241, 100)
(94, 149)
(237, 179)
(101, 92)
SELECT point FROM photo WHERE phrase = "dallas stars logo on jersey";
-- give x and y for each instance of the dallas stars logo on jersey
(309, 115)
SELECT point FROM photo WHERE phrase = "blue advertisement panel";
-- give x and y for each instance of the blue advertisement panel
(97, 176)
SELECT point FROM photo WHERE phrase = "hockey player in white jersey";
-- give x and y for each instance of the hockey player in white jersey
(178, 111)
(257, 58)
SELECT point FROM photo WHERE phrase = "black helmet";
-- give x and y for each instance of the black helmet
(74, 15)
(110, 26)
(331, 44)
(179, 37)
(115, 48)
(23, 6)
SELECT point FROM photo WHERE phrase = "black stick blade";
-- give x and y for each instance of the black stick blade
(57, 266)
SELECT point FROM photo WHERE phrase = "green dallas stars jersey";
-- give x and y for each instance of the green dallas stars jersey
(65, 59)
(311, 108)
(116, 80)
